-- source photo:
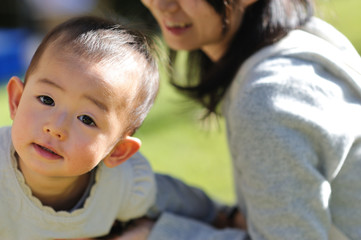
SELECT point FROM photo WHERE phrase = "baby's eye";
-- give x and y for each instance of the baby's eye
(46, 100)
(87, 120)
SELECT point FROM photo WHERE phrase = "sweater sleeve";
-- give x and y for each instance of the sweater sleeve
(290, 126)
(175, 227)
(174, 196)
(185, 212)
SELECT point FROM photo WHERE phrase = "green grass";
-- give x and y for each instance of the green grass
(175, 141)
(345, 16)
(4, 108)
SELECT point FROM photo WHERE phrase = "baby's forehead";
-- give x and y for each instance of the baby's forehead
(116, 72)
(121, 73)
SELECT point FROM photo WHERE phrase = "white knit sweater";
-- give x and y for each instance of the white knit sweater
(122, 193)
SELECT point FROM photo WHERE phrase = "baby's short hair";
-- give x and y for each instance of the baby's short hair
(104, 41)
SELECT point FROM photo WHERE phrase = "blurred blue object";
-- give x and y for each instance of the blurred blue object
(12, 48)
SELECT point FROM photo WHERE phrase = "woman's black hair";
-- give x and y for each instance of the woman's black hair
(264, 22)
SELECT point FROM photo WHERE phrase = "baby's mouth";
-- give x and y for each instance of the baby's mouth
(48, 150)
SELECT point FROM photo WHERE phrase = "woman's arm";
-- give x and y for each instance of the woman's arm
(288, 126)
(186, 212)
(176, 197)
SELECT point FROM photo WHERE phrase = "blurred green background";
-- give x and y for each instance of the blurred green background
(176, 141)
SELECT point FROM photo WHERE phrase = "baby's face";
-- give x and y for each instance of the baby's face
(70, 115)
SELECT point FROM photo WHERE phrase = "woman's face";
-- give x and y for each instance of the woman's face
(195, 24)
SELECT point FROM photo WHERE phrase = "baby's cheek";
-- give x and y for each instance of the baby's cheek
(89, 157)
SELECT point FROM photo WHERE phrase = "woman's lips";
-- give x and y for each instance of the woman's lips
(46, 152)
(177, 28)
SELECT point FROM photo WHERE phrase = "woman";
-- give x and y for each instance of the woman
(289, 88)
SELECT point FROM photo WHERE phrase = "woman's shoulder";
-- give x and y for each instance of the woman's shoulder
(287, 88)
(303, 66)
(280, 79)
(317, 43)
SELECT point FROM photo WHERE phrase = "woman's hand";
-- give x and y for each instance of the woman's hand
(238, 221)
(233, 219)
(139, 230)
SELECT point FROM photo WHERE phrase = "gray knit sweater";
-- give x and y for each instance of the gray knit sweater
(293, 115)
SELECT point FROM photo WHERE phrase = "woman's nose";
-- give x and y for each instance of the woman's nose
(167, 5)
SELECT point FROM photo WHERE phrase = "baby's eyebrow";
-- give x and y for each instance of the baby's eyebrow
(98, 103)
(49, 82)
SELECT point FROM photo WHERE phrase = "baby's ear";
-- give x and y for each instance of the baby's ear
(15, 90)
(122, 151)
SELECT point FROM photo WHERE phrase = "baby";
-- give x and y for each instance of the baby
(69, 166)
